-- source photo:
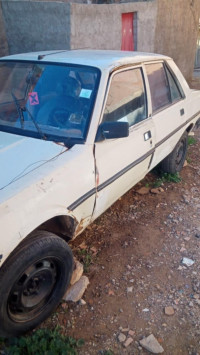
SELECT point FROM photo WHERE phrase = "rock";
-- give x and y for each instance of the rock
(121, 337)
(77, 273)
(82, 302)
(145, 310)
(128, 342)
(151, 344)
(187, 261)
(76, 291)
(197, 235)
(129, 289)
(169, 311)
(143, 190)
(157, 190)
(131, 333)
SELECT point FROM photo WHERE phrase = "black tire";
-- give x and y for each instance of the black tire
(174, 162)
(32, 282)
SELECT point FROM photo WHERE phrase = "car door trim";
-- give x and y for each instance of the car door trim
(127, 168)
(82, 199)
(109, 181)
(176, 130)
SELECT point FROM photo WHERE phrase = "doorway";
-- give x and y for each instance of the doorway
(129, 31)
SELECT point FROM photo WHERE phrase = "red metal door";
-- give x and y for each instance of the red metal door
(127, 32)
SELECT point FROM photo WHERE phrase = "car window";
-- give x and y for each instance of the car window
(159, 86)
(48, 101)
(126, 100)
(175, 92)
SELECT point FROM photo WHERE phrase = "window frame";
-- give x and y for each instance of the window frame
(180, 89)
(120, 70)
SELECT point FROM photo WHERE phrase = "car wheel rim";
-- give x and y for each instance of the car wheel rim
(33, 290)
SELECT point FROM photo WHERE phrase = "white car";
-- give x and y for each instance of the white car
(77, 130)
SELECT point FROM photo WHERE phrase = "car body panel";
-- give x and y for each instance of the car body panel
(83, 181)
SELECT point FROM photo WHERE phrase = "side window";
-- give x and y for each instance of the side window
(126, 100)
(159, 87)
(175, 92)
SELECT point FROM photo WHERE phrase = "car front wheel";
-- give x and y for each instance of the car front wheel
(32, 282)
(174, 162)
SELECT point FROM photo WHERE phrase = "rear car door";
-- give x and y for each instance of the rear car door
(122, 162)
(168, 108)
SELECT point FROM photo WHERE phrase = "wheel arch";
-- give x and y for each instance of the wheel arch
(64, 226)
(189, 128)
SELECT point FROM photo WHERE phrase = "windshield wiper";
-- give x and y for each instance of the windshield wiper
(42, 135)
(19, 109)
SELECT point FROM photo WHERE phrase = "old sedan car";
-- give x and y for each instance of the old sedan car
(77, 130)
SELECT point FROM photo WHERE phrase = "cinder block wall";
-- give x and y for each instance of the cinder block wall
(34, 26)
(3, 39)
(177, 31)
(163, 26)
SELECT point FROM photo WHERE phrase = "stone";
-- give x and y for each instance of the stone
(129, 289)
(128, 342)
(197, 235)
(143, 190)
(131, 333)
(151, 344)
(157, 190)
(76, 291)
(82, 302)
(77, 273)
(169, 311)
(121, 337)
(187, 261)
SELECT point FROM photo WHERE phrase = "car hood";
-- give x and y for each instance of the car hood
(21, 155)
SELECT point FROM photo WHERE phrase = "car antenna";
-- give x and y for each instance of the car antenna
(41, 56)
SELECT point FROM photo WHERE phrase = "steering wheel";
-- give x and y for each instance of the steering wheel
(59, 117)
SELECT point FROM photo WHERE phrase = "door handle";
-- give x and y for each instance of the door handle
(182, 112)
(147, 135)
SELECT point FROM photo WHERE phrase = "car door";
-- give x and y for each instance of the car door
(122, 162)
(168, 108)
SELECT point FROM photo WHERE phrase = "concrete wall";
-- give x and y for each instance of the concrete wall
(177, 31)
(34, 26)
(99, 26)
(3, 39)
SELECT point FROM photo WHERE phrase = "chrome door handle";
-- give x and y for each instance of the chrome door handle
(147, 135)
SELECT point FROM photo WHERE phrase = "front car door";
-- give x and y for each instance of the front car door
(122, 162)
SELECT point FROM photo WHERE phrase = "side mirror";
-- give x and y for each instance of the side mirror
(111, 130)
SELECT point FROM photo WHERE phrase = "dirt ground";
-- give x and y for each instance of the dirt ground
(133, 258)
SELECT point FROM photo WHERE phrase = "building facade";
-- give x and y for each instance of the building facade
(168, 27)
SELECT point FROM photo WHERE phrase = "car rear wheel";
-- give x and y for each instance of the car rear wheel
(33, 281)
(174, 162)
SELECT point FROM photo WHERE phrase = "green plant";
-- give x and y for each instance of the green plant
(191, 140)
(108, 352)
(86, 258)
(43, 342)
(166, 177)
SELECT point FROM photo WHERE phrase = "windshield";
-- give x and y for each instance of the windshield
(48, 101)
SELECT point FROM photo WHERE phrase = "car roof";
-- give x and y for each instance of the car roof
(102, 59)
